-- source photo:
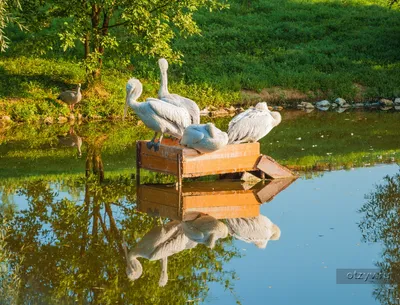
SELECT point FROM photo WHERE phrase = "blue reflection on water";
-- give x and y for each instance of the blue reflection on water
(318, 221)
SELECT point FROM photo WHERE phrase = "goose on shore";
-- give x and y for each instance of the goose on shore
(71, 97)
(204, 137)
(156, 114)
(175, 99)
(252, 124)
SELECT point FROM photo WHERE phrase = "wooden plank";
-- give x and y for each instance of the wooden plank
(165, 151)
(137, 163)
(202, 187)
(223, 212)
(159, 164)
(273, 169)
(158, 195)
(194, 167)
(273, 188)
(157, 209)
(229, 151)
(218, 199)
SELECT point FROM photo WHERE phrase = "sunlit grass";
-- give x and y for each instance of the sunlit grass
(303, 49)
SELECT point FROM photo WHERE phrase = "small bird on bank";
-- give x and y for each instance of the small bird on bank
(71, 97)
(204, 137)
(252, 124)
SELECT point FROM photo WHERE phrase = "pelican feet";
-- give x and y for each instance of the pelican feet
(156, 146)
(150, 145)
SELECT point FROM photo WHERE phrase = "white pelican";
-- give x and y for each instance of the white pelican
(71, 97)
(257, 230)
(155, 114)
(204, 137)
(157, 244)
(253, 124)
(205, 230)
(176, 99)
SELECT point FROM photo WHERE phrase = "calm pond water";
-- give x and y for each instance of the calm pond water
(62, 235)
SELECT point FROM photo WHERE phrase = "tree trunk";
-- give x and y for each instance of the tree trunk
(87, 45)
(100, 47)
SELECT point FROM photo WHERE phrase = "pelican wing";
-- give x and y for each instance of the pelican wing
(191, 106)
(192, 232)
(171, 113)
(192, 135)
(253, 126)
(175, 244)
(186, 103)
(240, 116)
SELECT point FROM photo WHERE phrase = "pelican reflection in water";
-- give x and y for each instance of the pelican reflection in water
(163, 241)
(257, 230)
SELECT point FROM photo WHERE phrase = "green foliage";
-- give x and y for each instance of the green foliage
(257, 50)
(66, 251)
(109, 28)
(6, 17)
(381, 223)
(317, 48)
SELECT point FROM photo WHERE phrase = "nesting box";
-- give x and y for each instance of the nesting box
(184, 162)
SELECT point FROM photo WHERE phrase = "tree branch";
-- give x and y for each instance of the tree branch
(151, 11)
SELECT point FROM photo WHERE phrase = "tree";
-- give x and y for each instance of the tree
(108, 28)
(5, 18)
(381, 223)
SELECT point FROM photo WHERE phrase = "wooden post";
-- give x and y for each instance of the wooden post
(179, 170)
(137, 163)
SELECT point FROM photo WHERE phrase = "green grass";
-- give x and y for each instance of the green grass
(277, 51)
(318, 48)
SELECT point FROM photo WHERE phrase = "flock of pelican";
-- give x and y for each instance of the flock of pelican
(176, 236)
(179, 117)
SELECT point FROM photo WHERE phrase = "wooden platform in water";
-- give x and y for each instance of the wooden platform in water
(220, 199)
(184, 162)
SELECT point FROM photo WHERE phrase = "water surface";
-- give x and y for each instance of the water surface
(68, 204)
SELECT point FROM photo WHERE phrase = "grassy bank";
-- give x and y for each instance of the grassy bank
(278, 51)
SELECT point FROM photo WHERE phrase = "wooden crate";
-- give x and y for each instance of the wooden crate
(178, 160)
(220, 199)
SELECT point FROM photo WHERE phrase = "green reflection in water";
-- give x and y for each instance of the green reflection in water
(381, 223)
(64, 251)
(303, 141)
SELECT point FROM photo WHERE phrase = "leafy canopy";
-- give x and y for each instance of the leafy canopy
(116, 29)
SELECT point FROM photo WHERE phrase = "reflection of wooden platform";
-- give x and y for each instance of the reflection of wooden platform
(220, 199)
(183, 162)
